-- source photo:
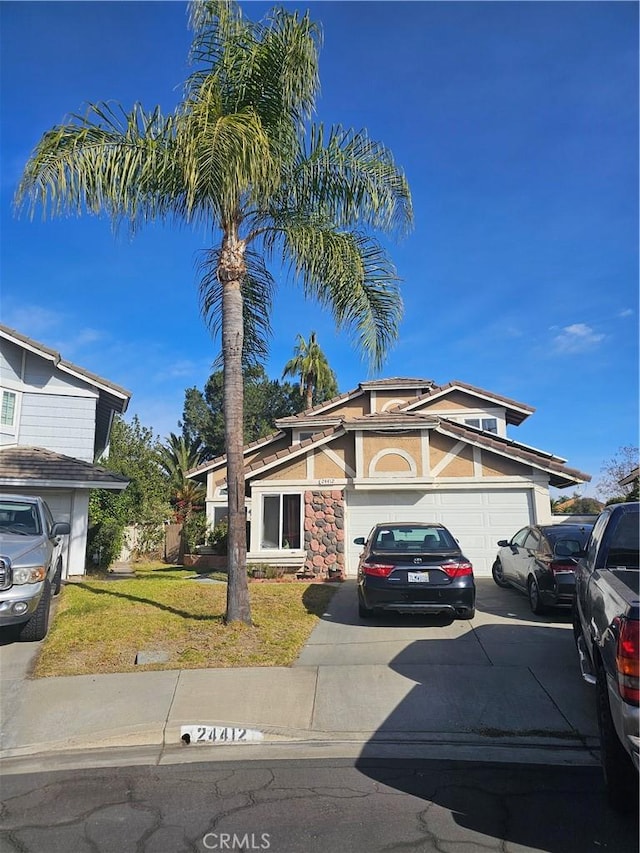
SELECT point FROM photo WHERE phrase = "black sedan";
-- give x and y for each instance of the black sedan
(539, 561)
(414, 568)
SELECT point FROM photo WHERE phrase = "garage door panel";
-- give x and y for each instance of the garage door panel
(476, 519)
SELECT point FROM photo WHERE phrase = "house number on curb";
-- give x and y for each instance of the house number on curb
(218, 734)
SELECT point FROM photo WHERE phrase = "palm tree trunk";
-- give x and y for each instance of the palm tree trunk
(309, 394)
(231, 272)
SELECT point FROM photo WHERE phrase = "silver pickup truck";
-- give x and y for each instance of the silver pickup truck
(30, 564)
(607, 631)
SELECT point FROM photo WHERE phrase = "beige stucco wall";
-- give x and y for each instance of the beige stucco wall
(382, 398)
(351, 408)
(372, 445)
(453, 400)
(461, 465)
(324, 467)
(295, 469)
(439, 446)
(497, 466)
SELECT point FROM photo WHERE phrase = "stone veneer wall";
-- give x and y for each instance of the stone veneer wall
(324, 531)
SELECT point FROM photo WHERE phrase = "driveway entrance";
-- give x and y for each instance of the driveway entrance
(504, 674)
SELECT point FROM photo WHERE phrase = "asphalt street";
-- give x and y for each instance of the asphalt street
(309, 806)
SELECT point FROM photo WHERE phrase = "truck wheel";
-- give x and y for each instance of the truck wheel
(36, 628)
(498, 574)
(620, 777)
(535, 602)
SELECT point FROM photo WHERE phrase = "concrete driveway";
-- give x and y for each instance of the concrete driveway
(506, 673)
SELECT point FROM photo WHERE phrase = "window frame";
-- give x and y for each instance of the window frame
(9, 428)
(281, 494)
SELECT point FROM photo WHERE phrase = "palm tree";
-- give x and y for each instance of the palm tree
(311, 365)
(239, 157)
(176, 457)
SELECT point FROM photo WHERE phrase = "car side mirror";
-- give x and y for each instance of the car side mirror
(359, 540)
(60, 528)
(503, 543)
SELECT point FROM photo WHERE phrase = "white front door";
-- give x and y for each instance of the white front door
(477, 519)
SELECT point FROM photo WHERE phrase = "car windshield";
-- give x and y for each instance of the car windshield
(19, 517)
(421, 539)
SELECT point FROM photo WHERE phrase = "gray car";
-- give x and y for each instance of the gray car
(30, 564)
(539, 560)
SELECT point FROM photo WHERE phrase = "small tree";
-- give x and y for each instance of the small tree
(310, 364)
(133, 452)
(615, 470)
(176, 458)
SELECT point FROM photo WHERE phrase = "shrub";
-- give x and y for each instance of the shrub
(194, 531)
(218, 537)
(104, 542)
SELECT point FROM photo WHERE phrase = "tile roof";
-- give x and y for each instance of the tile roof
(539, 458)
(522, 408)
(34, 465)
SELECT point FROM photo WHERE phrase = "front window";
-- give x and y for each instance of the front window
(281, 521)
(8, 415)
(485, 424)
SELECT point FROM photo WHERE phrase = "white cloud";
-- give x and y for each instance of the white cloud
(626, 312)
(578, 337)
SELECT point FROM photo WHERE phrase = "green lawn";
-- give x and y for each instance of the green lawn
(103, 622)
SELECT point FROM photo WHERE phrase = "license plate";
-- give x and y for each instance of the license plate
(418, 577)
(219, 734)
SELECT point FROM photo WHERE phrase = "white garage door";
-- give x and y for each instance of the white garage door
(476, 519)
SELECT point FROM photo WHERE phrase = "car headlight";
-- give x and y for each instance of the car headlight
(29, 574)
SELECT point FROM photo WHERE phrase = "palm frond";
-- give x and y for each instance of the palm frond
(257, 299)
(350, 274)
(105, 161)
(349, 179)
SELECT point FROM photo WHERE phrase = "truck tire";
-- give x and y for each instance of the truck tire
(498, 575)
(36, 628)
(620, 776)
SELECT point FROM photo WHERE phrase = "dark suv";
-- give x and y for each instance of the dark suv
(540, 561)
(414, 568)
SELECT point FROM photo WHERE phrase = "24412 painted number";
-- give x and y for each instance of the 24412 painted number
(219, 734)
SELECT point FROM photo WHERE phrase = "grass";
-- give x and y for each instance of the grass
(102, 623)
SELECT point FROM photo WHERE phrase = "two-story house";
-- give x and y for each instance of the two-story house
(390, 450)
(55, 419)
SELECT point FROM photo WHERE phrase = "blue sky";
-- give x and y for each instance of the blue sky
(517, 126)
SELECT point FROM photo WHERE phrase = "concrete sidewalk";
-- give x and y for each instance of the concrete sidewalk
(505, 687)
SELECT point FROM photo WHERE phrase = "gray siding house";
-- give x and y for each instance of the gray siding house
(55, 419)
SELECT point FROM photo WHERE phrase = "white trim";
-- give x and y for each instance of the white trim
(372, 401)
(331, 454)
(425, 452)
(60, 484)
(311, 466)
(477, 461)
(392, 404)
(359, 448)
(392, 451)
(449, 457)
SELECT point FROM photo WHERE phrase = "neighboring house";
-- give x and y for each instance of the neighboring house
(390, 450)
(55, 420)
(631, 478)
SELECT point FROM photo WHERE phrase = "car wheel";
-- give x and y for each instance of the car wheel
(364, 612)
(620, 777)
(535, 602)
(57, 579)
(498, 574)
(36, 628)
